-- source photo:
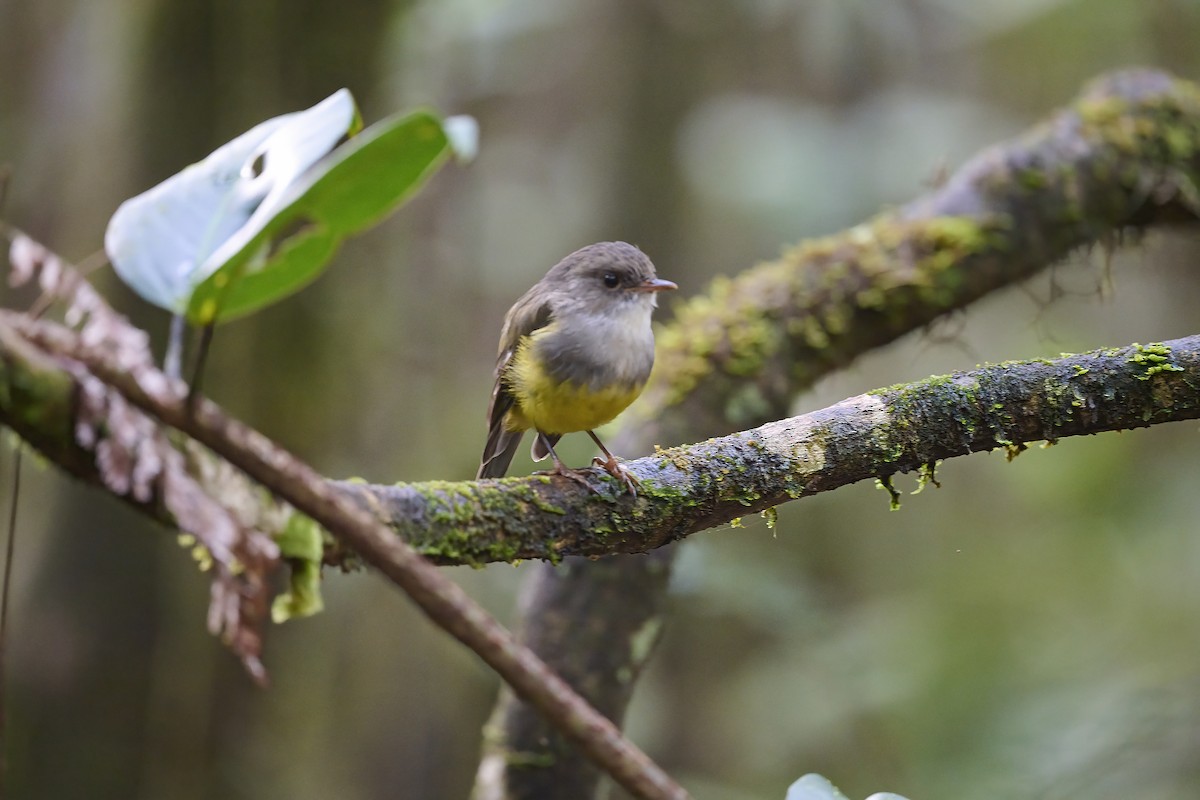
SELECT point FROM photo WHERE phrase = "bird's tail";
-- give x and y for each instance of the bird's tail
(498, 453)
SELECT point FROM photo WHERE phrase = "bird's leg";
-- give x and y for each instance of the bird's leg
(562, 469)
(614, 467)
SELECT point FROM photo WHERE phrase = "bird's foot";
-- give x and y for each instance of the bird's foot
(618, 471)
(577, 475)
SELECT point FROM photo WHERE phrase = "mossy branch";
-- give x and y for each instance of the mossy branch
(903, 428)
(696, 487)
(1125, 154)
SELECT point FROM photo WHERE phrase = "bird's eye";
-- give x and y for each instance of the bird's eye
(610, 279)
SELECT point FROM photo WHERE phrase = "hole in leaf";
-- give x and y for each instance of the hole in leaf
(299, 227)
(255, 167)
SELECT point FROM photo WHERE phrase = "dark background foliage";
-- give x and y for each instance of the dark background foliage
(1028, 630)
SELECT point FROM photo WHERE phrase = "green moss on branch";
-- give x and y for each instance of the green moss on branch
(1123, 155)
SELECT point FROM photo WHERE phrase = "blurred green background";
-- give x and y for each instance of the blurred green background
(1029, 630)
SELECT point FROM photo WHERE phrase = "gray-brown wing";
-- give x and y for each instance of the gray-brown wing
(526, 316)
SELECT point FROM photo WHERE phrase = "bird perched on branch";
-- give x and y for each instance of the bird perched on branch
(575, 351)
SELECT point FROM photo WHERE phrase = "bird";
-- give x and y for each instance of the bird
(575, 350)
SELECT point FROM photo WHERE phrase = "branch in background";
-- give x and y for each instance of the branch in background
(554, 769)
(1123, 155)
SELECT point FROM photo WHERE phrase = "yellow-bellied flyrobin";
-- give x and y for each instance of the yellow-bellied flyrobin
(575, 351)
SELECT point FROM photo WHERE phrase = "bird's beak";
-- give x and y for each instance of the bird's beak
(654, 285)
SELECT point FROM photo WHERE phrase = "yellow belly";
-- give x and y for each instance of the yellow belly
(561, 407)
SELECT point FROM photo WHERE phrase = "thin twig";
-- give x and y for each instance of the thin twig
(194, 387)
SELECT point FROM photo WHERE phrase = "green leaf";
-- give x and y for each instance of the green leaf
(168, 240)
(262, 216)
(351, 189)
(302, 545)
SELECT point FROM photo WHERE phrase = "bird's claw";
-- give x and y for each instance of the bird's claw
(577, 475)
(618, 471)
(611, 466)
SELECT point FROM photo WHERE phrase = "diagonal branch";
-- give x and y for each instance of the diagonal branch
(1123, 155)
(292, 480)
